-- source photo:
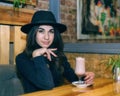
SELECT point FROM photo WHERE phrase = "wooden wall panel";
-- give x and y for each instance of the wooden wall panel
(4, 44)
(19, 42)
(11, 17)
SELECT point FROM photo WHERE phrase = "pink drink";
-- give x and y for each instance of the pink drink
(80, 66)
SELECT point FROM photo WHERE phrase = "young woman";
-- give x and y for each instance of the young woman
(43, 65)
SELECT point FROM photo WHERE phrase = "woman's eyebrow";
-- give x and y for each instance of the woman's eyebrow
(40, 28)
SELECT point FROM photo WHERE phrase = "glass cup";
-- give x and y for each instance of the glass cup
(80, 69)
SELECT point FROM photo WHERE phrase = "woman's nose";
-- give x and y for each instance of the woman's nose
(46, 36)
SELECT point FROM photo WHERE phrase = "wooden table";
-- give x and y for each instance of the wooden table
(101, 87)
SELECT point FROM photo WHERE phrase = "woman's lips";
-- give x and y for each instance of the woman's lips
(45, 43)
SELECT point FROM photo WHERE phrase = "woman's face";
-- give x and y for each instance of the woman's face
(45, 35)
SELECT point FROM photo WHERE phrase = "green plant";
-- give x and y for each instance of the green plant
(18, 3)
(112, 62)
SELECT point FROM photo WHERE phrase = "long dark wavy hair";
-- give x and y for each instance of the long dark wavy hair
(56, 63)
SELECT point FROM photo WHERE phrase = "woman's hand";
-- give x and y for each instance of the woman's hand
(45, 52)
(89, 77)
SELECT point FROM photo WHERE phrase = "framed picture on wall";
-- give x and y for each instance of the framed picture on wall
(98, 19)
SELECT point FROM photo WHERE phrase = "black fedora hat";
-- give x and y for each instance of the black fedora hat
(43, 17)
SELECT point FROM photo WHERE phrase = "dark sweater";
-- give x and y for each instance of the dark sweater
(40, 74)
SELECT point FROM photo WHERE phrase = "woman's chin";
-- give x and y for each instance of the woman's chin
(45, 46)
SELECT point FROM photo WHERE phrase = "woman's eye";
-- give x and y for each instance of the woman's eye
(52, 31)
(40, 30)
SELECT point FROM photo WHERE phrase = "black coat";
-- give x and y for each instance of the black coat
(40, 74)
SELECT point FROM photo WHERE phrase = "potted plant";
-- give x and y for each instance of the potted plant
(18, 3)
(114, 63)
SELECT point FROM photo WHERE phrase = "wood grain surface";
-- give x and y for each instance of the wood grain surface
(101, 87)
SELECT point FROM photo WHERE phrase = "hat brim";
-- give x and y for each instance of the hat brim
(61, 27)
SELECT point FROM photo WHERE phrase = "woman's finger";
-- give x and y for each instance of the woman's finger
(51, 52)
(53, 49)
(89, 77)
(48, 55)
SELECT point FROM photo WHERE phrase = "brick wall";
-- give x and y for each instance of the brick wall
(68, 16)
(43, 4)
(93, 63)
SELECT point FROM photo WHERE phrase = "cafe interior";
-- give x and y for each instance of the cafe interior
(93, 33)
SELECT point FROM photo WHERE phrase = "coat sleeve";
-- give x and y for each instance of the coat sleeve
(69, 73)
(35, 71)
